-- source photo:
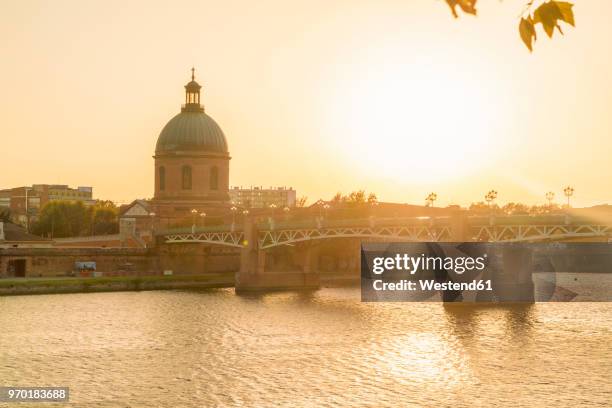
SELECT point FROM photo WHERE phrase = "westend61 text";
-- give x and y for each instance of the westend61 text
(432, 285)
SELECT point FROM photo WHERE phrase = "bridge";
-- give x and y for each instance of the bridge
(255, 237)
(416, 229)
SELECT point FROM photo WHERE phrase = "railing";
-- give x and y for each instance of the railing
(89, 238)
(309, 223)
(273, 232)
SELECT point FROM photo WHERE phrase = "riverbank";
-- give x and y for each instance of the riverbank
(36, 286)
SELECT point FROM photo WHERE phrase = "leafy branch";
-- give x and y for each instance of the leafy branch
(548, 14)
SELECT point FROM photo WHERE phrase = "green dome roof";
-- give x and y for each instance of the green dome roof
(191, 131)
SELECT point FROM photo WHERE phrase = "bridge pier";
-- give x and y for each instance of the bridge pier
(514, 280)
(459, 226)
(253, 275)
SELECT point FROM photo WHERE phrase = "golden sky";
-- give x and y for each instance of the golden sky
(391, 96)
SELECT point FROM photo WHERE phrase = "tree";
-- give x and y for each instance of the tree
(107, 204)
(548, 14)
(72, 219)
(104, 218)
(516, 209)
(338, 198)
(372, 199)
(354, 198)
(5, 215)
(482, 208)
(301, 201)
(357, 197)
(545, 209)
(62, 219)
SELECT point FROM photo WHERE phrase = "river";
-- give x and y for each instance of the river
(321, 349)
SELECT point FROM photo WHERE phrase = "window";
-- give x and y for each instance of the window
(162, 178)
(186, 178)
(214, 178)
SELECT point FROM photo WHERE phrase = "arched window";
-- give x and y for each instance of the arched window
(186, 178)
(162, 178)
(214, 178)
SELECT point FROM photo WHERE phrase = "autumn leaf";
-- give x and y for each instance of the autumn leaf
(566, 12)
(468, 6)
(527, 32)
(548, 14)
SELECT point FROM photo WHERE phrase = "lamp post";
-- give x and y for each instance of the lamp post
(152, 215)
(203, 218)
(233, 210)
(325, 208)
(52, 224)
(374, 205)
(27, 208)
(431, 197)
(286, 211)
(550, 196)
(193, 220)
(245, 213)
(490, 197)
(320, 205)
(568, 191)
(271, 218)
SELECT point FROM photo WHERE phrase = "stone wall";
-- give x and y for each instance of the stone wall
(198, 259)
(180, 259)
(51, 262)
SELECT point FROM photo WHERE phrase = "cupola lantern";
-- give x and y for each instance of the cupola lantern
(192, 95)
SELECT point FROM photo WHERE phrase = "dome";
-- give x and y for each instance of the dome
(191, 131)
(193, 85)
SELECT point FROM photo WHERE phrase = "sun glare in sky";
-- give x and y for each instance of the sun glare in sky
(392, 96)
(415, 118)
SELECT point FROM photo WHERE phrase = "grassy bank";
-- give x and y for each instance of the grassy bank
(30, 286)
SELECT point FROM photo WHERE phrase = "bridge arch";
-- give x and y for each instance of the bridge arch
(230, 239)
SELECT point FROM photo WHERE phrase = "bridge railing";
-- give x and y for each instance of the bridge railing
(190, 230)
(318, 222)
(322, 222)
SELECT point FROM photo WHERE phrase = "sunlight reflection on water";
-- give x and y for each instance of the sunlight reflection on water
(325, 348)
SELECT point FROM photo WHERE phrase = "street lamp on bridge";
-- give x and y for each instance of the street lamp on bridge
(194, 212)
(320, 204)
(568, 191)
(233, 210)
(326, 207)
(550, 196)
(203, 218)
(374, 205)
(271, 217)
(490, 197)
(430, 199)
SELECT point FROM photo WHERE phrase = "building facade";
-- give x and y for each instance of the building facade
(25, 203)
(191, 163)
(259, 197)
